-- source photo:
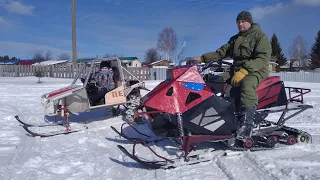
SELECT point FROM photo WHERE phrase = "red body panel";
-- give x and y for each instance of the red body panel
(191, 75)
(174, 102)
(176, 72)
(155, 90)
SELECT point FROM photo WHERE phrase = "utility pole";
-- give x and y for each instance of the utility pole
(299, 47)
(74, 44)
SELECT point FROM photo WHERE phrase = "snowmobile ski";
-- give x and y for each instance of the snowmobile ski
(170, 163)
(37, 125)
(52, 133)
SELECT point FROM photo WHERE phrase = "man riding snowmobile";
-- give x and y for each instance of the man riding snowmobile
(251, 52)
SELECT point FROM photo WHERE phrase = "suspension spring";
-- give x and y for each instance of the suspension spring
(180, 125)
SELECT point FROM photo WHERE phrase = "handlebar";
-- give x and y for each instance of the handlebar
(219, 61)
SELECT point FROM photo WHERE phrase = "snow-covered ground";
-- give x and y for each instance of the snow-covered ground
(93, 154)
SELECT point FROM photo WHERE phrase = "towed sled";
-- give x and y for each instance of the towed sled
(75, 98)
(192, 106)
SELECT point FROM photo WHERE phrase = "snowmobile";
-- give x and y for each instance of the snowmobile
(191, 106)
(75, 99)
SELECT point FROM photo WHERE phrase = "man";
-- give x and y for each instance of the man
(104, 82)
(251, 52)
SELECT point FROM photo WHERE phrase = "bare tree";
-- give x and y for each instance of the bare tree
(167, 42)
(38, 56)
(151, 55)
(64, 56)
(299, 51)
(48, 55)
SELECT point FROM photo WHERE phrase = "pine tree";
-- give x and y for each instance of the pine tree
(315, 53)
(277, 51)
(6, 57)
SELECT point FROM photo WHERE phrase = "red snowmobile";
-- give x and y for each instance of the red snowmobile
(192, 108)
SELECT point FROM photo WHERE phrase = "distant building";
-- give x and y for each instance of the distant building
(26, 62)
(273, 65)
(130, 61)
(145, 64)
(294, 65)
(85, 60)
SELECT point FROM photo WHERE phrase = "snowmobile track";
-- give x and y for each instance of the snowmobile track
(243, 168)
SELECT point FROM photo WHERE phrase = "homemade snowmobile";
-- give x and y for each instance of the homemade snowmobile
(190, 107)
(75, 98)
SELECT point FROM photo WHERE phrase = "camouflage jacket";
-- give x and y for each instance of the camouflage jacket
(250, 50)
(104, 80)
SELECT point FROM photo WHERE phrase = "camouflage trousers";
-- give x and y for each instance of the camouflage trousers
(245, 95)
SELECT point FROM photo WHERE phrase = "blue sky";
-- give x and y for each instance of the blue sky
(130, 27)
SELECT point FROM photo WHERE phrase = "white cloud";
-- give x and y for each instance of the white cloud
(26, 50)
(17, 7)
(261, 12)
(2, 21)
(307, 2)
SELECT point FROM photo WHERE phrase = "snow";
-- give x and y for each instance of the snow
(93, 153)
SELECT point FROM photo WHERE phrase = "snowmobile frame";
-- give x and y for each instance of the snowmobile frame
(186, 139)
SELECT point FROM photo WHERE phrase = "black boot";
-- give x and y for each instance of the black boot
(246, 129)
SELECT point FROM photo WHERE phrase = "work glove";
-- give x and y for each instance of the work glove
(199, 59)
(238, 76)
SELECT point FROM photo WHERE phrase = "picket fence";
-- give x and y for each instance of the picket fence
(312, 77)
(142, 73)
(66, 71)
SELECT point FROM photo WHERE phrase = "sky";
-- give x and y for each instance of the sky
(131, 27)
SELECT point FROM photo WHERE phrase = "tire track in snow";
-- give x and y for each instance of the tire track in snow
(242, 168)
(285, 164)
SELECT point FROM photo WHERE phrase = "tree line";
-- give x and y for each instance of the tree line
(40, 56)
(299, 53)
(6, 57)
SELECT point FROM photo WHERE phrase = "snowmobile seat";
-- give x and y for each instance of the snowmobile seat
(268, 82)
(271, 93)
(116, 76)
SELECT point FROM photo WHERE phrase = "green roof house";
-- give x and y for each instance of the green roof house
(130, 61)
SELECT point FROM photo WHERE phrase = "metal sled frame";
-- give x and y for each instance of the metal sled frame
(60, 97)
(187, 140)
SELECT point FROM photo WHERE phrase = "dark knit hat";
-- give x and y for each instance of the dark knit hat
(105, 64)
(245, 16)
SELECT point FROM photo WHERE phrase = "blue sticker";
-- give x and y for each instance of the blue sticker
(194, 86)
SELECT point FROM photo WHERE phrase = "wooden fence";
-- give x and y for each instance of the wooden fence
(66, 71)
